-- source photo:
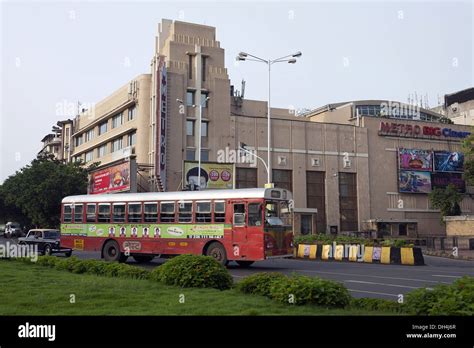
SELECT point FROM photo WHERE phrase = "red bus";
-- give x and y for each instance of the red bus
(242, 225)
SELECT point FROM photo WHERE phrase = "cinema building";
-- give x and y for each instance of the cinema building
(343, 161)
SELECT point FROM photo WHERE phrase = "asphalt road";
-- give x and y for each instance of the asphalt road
(363, 280)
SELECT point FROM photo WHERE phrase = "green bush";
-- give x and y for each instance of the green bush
(65, 264)
(301, 290)
(376, 304)
(48, 261)
(259, 284)
(133, 272)
(454, 299)
(192, 271)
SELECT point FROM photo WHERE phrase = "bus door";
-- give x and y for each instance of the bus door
(239, 227)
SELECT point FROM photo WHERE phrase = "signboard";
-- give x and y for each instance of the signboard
(412, 181)
(442, 180)
(414, 159)
(161, 111)
(416, 131)
(111, 179)
(213, 175)
(445, 161)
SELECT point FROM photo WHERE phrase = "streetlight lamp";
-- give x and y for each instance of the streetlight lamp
(204, 101)
(291, 59)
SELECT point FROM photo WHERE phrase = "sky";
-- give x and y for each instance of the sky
(54, 54)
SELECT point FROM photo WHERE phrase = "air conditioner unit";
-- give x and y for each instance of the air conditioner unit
(347, 163)
(315, 162)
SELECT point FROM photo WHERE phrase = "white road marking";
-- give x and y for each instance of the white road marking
(373, 292)
(384, 284)
(445, 276)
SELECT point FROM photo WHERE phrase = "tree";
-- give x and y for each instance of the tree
(468, 149)
(37, 189)
(446, 200)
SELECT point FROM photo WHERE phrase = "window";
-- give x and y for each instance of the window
(117, 120)
(204, 155)
(89, 156)
(132, 113)
(255, 214)
(190, 67)
(246, 178)
(203, 99)
(282, 179)
(190, 154)
(239, 214)
(348, 202)
(151, 212)
(78, 140)
(102, 150)
(402, 229)
(89, 135)
(117, 144)
(203, 212)
(189, 127)
(134, 212)
(90, 213)
(104, 212)
(167, 212)
(189, 98)
(204, 127)
(185, 212)
(67, 213)
(119, 212)
(203, 68)
(78, 210)
(315, 197)
(306, 224)
(219, 211)
(102, 128)
(132, 138)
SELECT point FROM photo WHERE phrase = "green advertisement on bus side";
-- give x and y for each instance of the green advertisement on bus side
(145, 230)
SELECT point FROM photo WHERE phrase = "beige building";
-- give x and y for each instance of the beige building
(459, 107)
(341, 159)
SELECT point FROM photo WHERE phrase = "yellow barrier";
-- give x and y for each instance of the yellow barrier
(407, 256)
(385, 257)
(301, 250)
(353, 252)
(368, 254)
(339, 253)
(325, 252)
(312, 251)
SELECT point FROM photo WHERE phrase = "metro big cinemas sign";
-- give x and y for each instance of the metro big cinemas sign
(415, 131)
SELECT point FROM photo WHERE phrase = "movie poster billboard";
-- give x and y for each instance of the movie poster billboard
(442, 180)
(445, 161)
(415, 159)
(111, 179)
(414, 181)
(213, 175)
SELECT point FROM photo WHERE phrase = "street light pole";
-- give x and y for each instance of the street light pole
(289, 59)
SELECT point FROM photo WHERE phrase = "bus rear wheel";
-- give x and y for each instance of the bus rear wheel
(217, 251)
(143, 258)
(112, 252)
(245, 264)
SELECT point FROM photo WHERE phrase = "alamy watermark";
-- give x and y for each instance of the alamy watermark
(13, 250)
(247, 155)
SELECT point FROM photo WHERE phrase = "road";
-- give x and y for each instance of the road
(362, 280)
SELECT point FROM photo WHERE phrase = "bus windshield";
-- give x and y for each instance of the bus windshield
(277, 213)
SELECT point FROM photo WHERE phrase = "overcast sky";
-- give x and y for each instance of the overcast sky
(54, 54)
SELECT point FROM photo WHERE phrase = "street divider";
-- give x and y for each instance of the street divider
(412, 256)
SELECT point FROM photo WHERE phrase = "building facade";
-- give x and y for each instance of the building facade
(341, 160)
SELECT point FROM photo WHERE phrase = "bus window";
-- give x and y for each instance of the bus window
(67, 213)
(239, 214)
(91, 213)
(151, 212)
(185, 212)
(255, 214)
(203, 212)
(219, 211)
(78, 210)
(104, 212)
(167, 212)
(119, 212)
(134, 212)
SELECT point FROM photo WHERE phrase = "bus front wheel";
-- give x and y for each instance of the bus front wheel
(112, 252)
(217, 251)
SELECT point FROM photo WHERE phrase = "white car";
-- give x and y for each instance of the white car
(13, 229)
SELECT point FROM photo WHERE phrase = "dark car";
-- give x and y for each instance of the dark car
(48, 241)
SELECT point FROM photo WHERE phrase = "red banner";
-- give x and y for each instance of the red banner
(112, 179)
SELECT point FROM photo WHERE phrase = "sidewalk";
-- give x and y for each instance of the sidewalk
(462, 254)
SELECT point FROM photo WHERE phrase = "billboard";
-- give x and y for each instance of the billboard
(442, 180)
(415, 159)
(161, 111)
(213, 175)
(111, 179)
(414, 181)
(445, 161)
